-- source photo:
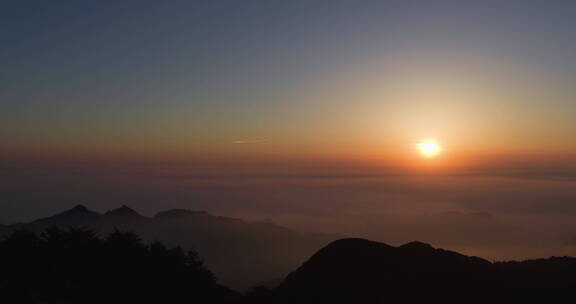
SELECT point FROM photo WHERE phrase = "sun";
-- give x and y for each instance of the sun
(429, 148)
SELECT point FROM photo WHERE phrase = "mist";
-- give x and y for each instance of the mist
(499, 214)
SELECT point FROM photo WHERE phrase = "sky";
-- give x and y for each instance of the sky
(301, 112)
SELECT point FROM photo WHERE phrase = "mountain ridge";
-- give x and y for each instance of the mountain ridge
(363, 271)
(123, 211)
(240, 253)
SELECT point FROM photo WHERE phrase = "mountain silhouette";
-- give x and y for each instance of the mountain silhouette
(77, 215)
(124, 212)
(363, 271)
(79, 264)
(240, 253)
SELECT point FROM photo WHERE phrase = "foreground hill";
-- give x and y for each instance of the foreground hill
(241, 254)
(76, 265)
(362, 271)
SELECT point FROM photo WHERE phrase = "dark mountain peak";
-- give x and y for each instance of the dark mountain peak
(356, 244)
(79, 211)
(123, 211)
(417, 246)
(348, 252)
(178, 213)
(360, 271)
(347, 268)
(344, 248)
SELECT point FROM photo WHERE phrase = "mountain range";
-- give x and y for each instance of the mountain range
(326, 269)
(241, 254)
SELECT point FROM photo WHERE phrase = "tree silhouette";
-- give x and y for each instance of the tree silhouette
(77, 265)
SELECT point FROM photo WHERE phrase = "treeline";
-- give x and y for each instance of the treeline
(77, 265)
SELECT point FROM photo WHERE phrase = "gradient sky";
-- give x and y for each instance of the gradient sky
(183, 101)
(352, 77)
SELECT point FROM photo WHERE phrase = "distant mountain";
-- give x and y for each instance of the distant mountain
(240, 253)
(123, 212)
(75, 216)
(362, 271)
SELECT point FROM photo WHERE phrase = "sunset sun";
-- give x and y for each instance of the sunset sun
(429, 148)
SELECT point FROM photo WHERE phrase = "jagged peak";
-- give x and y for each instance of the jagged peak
(75, 212)
(79, 210)
(178, 213)
(123, 211)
